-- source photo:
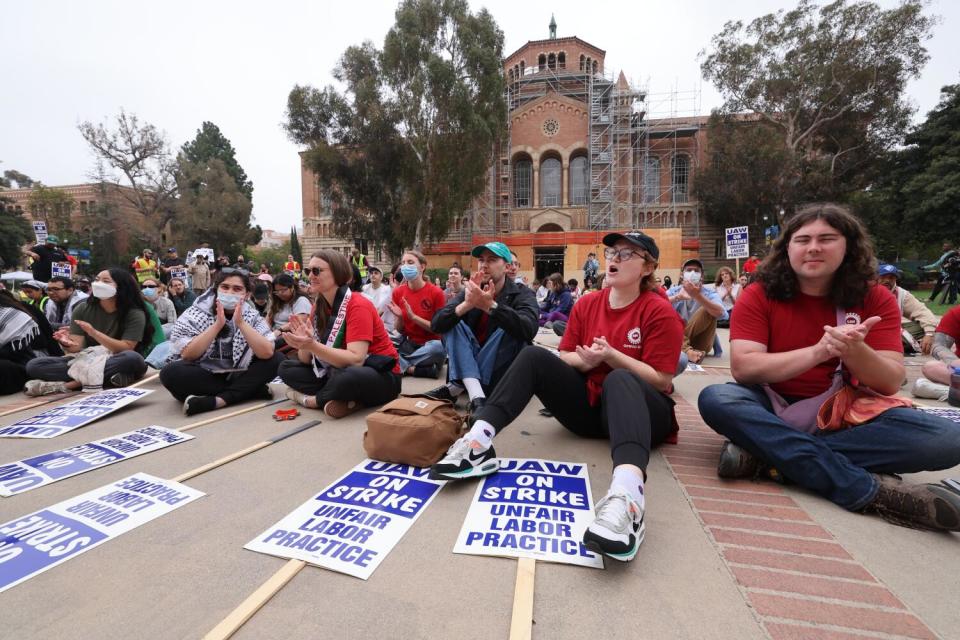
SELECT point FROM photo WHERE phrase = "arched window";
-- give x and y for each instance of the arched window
(579, 181)
(651, 179)
(680, 177)
(551, 182)
(562, 60)
(583, 61)
(587, 69)
(594, 66)
(552, 61)
(541, 62)
(522, 183)
(510, 75)
(523, 67)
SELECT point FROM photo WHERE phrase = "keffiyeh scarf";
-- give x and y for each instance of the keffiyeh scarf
(201, 316)
(336, 331)
(17, 329)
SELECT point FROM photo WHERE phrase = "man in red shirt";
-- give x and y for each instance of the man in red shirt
(751, 264)
(414, 304)
(813, 308)
(945, 339)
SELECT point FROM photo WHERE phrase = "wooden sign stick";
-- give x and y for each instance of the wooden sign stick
(521, 622)
(40, 403)
(255, 601)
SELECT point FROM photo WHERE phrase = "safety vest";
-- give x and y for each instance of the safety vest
(360, 263)
(292, 267)
(145, 269)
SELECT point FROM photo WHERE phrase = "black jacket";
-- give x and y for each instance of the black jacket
(517, 313)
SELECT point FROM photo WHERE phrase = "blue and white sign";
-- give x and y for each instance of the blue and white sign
(43, 539)
(59, 420)
(738, 242)
(17, 477)
(40, 231)
(61, 269)
(355, 522)
(531, 509)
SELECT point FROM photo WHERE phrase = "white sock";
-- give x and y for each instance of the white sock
(630, 482)
(454, 389)
(483, 432)
(474, 390)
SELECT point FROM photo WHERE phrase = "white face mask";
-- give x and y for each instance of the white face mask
(102, 290)
(693, 277)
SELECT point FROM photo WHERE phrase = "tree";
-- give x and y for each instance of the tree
(406, 147)
(828, 80)
(141, 155)
(212, 208)
(15, 231)
(210, 144)
(295, 249)
(22, 180)
(53, 206)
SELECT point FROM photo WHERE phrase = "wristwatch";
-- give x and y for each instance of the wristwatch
(493, 307)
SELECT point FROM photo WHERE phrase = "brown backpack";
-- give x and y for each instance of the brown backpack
(415, 430)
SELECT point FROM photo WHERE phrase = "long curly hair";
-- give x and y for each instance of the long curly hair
(852, 279)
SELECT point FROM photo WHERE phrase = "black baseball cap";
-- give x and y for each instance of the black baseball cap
(692, 261)
(636, 238)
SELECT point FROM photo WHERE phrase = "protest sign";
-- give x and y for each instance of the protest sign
(738, 242)
(40, 231)
(43, 539)
(355, 522)
(179, 272)
(944, 412)
(62, 269)
(17, 477)
(59, 420)
(531, 509)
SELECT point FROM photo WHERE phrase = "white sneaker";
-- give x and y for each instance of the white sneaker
(466, 458)
(44, 387)
(618, 529)
(924, 388)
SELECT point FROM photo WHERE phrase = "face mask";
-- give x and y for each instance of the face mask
(103, 291)
(693, 277)
(409, 271)
(150, 292)
(228, 300)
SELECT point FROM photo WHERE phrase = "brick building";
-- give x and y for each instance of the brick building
(581, 157)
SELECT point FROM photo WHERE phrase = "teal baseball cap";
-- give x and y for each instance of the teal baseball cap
(496, 248)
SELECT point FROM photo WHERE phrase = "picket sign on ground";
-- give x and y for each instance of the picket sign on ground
(944, 412)
(72, 415)
(352, 525)
(531, 509)
(43, 539)
(30, 473)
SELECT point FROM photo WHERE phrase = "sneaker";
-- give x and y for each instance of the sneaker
(120, 380)
(736, 462)
(545, 413)
(924, 388)
(44, 387)
(475, 405)
(618, 528)
(199, 404)
(426, 371)
(300, 398)
(465, 458)
(341, 408)
(920, 506)
(441, 393)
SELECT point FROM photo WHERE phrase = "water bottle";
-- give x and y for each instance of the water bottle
(954, 396)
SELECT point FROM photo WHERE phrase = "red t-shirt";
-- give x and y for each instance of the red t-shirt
(364, 325)
(425, 302)
(950, 324)
(798, 323)
(648, 330)
(750, 265)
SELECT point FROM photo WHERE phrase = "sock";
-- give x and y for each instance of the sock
(483, 432)
(628, 480)
(474, 390)
(454, 389)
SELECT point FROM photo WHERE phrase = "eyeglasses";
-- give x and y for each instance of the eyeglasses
(148, 286)
(242, 272)
(314, 271)
(625, 254)
(56, 289)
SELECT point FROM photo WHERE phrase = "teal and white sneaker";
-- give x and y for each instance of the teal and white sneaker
(466, 458)
(618, 529)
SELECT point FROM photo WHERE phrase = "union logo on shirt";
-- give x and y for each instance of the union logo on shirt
(851, 318)
(426, 305)
(633, 336)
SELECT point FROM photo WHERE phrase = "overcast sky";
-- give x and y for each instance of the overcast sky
(176, 64)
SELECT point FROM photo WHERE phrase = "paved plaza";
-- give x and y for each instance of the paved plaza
(722, 559)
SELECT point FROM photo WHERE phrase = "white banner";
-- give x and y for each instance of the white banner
(531, 509)
(59, 420)
(43, 539)
(24, 475)
(355, 522)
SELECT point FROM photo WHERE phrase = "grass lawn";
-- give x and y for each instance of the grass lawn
(937, 308)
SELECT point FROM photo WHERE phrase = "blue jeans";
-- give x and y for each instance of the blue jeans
(836, 464)
(466, 358)
(430, 353)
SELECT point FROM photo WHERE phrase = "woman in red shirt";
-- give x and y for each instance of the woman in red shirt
(616, 363)
(345, 360)
(815, 304)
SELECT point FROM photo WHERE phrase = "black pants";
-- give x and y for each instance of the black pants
(54, 368)
(13, 376)
(632, 413)
(184, 378)
(365, 385)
